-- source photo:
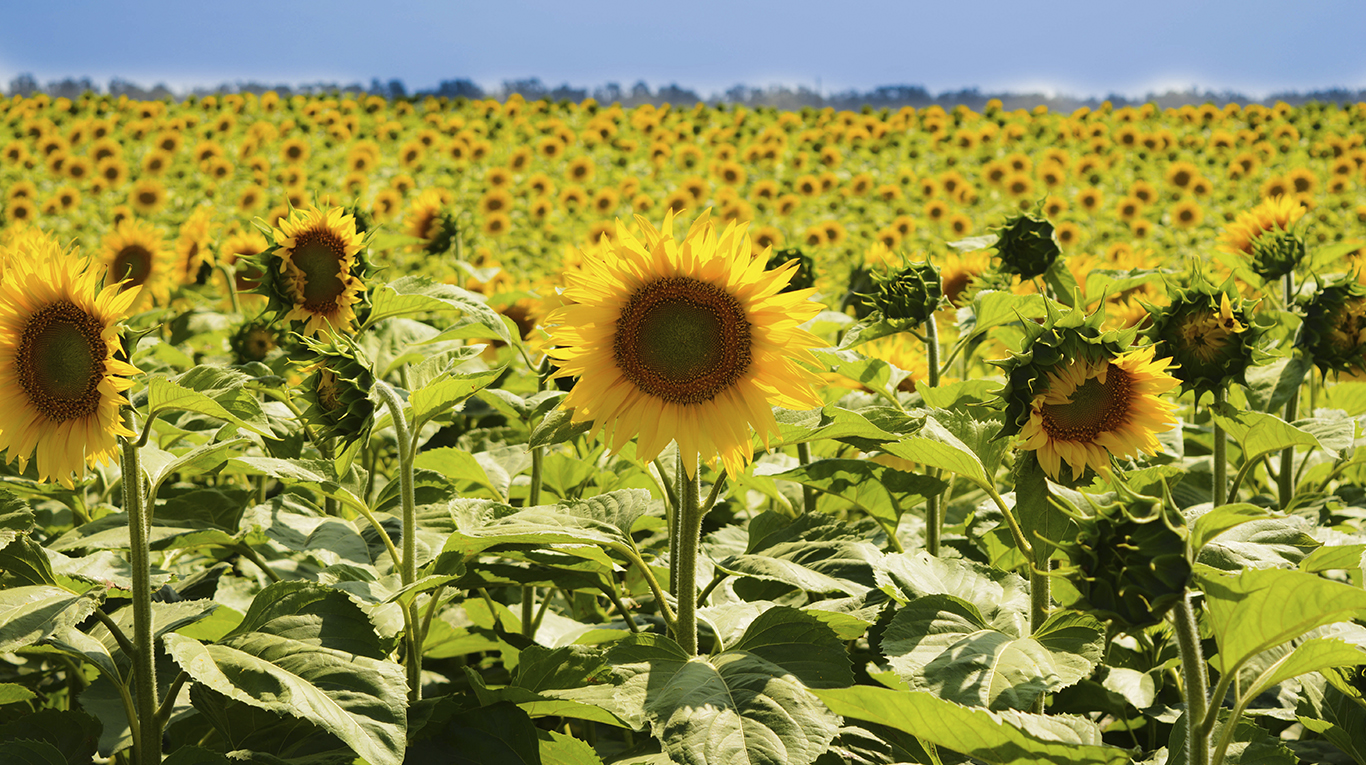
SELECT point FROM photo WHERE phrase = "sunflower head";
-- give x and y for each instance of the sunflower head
(683, 339)
(134, 257)
(804, 277)
(61, 376)
(1027, 245)
(1080, 395)
(315, 273)
(1208, 333)
(338, 389)
(1334, 329)
(254, 340)
(1131, 561)
(1276, 253)
(908, 295)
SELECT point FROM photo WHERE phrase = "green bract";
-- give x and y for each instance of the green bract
(338, 390)
(911, 294)
(1208, 332)
(1277, 253)
(1027, 245)
(1062, 338)
(1334, 329)
(1131, 560)
(254, 340)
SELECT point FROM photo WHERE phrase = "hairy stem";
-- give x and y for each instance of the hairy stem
(808, 493)
(934, 511)
(1220, 457)
(685, 549)
(1194, 681)
(408, 567)
(144, 648)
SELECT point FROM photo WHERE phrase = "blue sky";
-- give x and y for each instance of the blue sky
(1059, 46)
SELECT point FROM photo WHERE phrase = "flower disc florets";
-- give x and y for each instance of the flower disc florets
(1209, 334)
(1027, 245)
(1078, 395)
(1334, 329)
(911, 294)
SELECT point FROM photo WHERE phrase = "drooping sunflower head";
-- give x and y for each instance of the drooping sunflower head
(1334, 329)
(61, 383)
(314, 273)
(1265, 235)
(133, 256)
(1027, 245)
(337, 389)
(1208, 332)
(1131, 561)
(908, 295)
(194, 246)
(254, 341)
(428, 220)
(686, 340)
(1080, 395)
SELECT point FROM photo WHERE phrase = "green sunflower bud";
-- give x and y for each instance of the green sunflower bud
(1276, 253)
(254, 340)
(1131, 561)
(1334, 329)
(910, 295)
(444, 232)
(1027, 245)
(1209, 334)
(804, 277)
(338, 390)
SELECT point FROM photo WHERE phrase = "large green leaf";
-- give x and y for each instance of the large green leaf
(212, 391)
(33, 613)
(992, 308)
(578, 528)
(1313, 655)
(1251, 744)
(736, 707)
(445, 391)
(943, 644)
(420, 294)
(935, 446)
(832, 422)
(882, 492)
(1258, 433)
(1000, 738)
(308, 652)
(1253, 611)
(315, 475)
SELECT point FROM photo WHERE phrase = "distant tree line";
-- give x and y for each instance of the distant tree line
(777, 96)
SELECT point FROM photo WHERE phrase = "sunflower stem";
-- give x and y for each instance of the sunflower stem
(144, 654)
(1220, 455)
(230, 274)
(408, 567)
(808, 493)
(1194, 682)
(1285, 479)
(934, 512)
(684, 559)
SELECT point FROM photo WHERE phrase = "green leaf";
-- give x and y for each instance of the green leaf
(212, 391)
(316, 475)
(943, 644)
(1255, 610)
(1252, 744)
(560, 749)
(445, 391)
(557, 428)
(33, 613)
(1334, 558)
(807, 561)
(1221, 519)
(1313, 655)
(874, 327)
(358, 699)
(419, 294)
(581, 529)
(882, 492)
(198, 461)
(458, 465)
(801, 644)
(999, 596)
(30, 753)
(74, 734)
(1270, 387)
(11, 693)
(830, 422)
(992, 308)
(26, 562)
(1000, 738)
(935, 446)
(874, 374)
(1258, 433)
(498, 733)
(732, 708)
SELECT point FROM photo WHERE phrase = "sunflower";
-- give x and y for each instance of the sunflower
(685, 340)
(1091, 409)
(133, 255)
(317, 255)
(194, 244)
(60, 381)
(1276, 213)
(147, 196)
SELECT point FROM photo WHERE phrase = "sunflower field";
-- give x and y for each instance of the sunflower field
(340, 429)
